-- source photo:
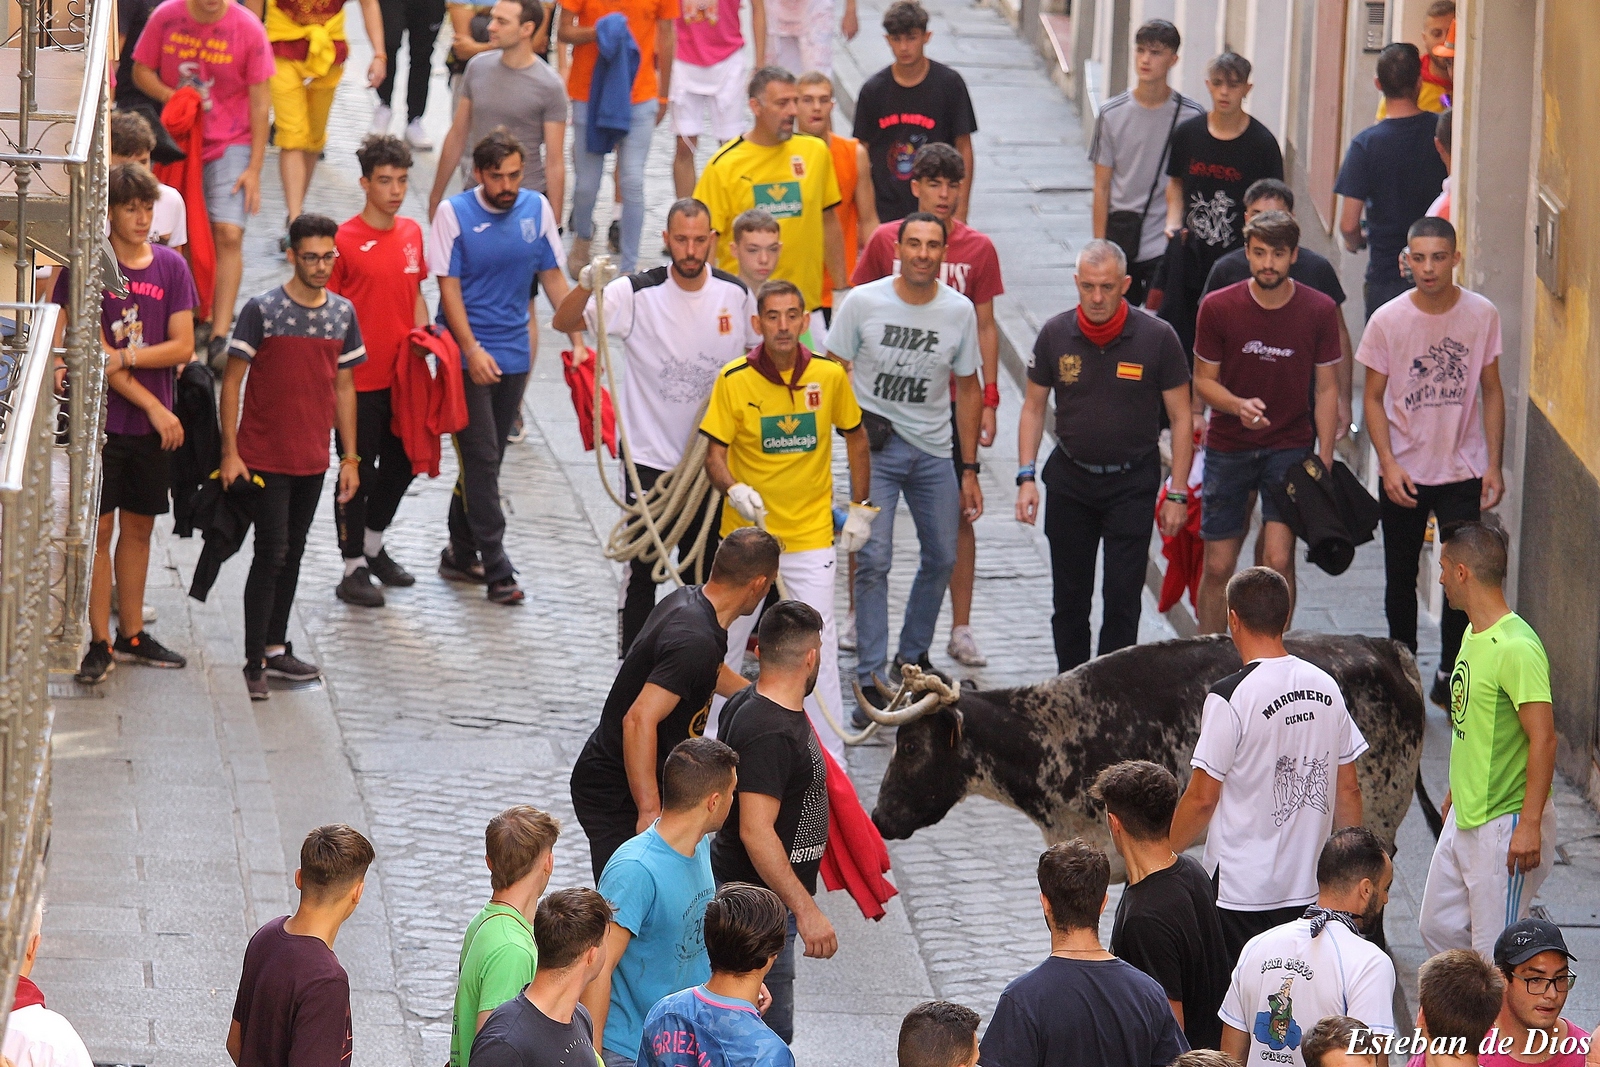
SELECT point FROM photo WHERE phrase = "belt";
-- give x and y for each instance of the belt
(1104, 468)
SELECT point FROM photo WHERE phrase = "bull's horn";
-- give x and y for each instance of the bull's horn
(889, 716)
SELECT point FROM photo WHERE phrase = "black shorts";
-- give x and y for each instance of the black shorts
(136, 474)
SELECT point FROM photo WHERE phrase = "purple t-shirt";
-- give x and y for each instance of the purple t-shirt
(139, 320)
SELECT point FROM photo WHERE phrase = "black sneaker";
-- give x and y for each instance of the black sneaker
(923, 662)
(142, 648)
(217, 354)
(97, 663)
(255, 681)
(519, 432)
(357, 588)
(286, 665)
(388, 571)
(453, 569)
(506, 591)
(1440, 693)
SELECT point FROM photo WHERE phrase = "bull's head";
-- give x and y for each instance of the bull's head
(931, 766)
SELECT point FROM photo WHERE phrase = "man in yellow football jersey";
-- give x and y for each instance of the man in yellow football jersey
(791, 176)
(771, 420)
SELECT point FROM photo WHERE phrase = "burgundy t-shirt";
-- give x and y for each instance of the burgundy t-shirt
(293, 1007)
(1268, 354)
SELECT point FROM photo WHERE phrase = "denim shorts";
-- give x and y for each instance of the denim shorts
(223, 204)
(1230, 478)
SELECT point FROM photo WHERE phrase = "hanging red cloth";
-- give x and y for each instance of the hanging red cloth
(856, 858)
(1185, 552)
(429, 399)
(580, 379)
(183, 119)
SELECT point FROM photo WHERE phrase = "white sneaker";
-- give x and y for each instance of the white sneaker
(381, 115)
(963, 648)
(417, 137)
(847, 633)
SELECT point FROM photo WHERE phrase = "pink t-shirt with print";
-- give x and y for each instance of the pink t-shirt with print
(1433, 363)
(222, 59)
(708, 31)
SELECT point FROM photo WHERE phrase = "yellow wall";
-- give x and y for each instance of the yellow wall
(1566, 343)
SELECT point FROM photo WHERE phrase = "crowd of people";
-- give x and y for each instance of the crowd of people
(818, 285)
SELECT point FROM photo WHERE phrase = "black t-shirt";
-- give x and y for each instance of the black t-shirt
(680, 649)
(131, 17)
(894, 120)
(1394, 167)
(1072, 1012)
(1108, 400)
(1167, 926)
(1215, 174)
(518, 1034)
(778, 757)
(293, 1005)
(1309, 268)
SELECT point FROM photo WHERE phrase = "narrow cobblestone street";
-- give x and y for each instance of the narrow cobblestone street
(180, 806)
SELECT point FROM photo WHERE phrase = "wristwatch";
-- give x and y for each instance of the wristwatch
(1025, 474)
(973, 467)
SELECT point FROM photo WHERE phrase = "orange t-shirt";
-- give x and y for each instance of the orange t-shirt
(642, 16)
(845, 172)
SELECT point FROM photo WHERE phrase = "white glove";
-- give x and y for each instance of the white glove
(857, 528)
(746, 501)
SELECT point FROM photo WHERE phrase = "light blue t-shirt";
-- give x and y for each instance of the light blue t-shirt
(660, 897)
(696, 1027)
(495, 255)
(902, 356)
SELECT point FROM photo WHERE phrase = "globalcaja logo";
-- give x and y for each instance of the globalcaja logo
(782, 199)
(783, 434)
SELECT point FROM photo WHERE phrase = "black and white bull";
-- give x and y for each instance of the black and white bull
(1038, 748)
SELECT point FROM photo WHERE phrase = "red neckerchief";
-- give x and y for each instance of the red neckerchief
(28, 994)
(1107, 331)
(1443, 81)
(759, 359)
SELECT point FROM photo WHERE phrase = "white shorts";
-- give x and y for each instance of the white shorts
(718, 91)
(801, 39)
(1470, 896)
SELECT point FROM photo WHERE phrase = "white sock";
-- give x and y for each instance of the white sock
(352, 565)
(372, 542)
(276, 650)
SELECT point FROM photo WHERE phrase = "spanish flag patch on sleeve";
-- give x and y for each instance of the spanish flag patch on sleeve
(1130, 372)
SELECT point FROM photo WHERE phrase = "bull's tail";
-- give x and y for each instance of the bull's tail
(1430, 814)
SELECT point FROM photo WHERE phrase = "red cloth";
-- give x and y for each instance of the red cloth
(428, 398)
(28, 994)
(856, 858)
(1108, 330)
(1185, 554)
(181, 117)
(580, 379)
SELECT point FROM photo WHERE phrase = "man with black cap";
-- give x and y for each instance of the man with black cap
(1533, 957)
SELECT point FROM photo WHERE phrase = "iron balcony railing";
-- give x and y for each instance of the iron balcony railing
(53, 174)
(27, 516)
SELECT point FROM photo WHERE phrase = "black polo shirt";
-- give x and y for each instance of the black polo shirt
(1108, 400)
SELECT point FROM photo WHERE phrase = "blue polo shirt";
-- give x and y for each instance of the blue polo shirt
(496, 255)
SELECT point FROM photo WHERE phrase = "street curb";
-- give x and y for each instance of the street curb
(1012, 346)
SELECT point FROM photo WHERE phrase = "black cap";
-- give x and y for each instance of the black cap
(1521, 941)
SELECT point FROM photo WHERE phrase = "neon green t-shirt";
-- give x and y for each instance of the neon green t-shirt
(498, 958)
(1496, 672)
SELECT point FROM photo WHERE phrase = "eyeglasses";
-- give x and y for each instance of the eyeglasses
(1538, 986)
(311, 259)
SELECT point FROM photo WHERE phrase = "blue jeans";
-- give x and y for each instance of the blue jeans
(929, 486)
(631, 153)
(780, 985)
